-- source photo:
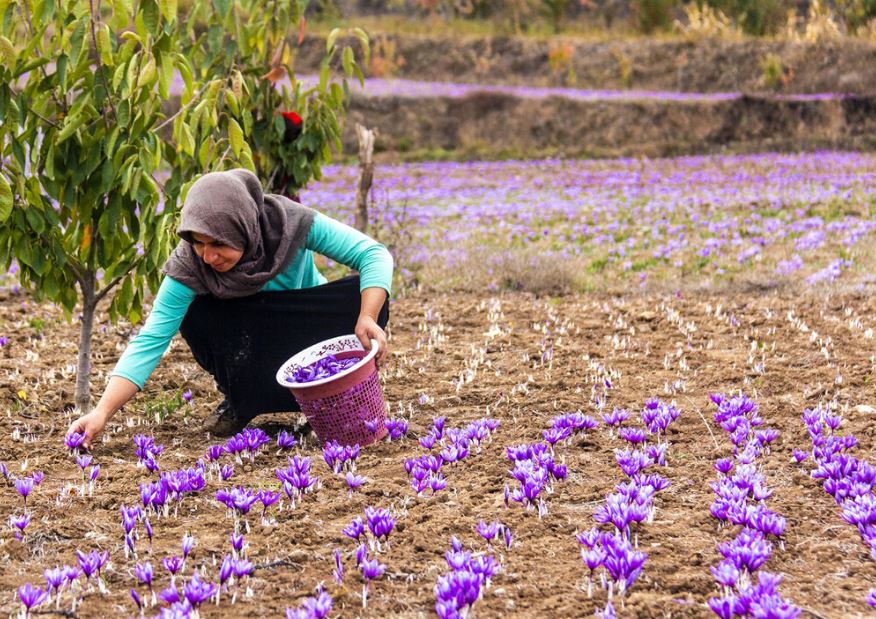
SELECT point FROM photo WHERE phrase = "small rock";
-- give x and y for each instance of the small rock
(298, 555)
(864, 409)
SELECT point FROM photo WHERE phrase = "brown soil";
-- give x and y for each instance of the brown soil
(487, 125)
(646, 342)
(708, 65)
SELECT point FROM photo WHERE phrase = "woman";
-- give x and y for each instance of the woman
(243, 291)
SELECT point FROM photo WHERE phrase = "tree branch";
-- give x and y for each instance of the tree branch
(58, 102)
(100, 66)
(183, 108)
(103, 292)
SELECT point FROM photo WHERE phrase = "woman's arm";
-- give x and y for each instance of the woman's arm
(118, 391)
(367, 327)
(140, 357)
(356, 250)
(348, 246)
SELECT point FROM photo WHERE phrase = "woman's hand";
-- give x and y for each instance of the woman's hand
(366, 330)
(91, 425)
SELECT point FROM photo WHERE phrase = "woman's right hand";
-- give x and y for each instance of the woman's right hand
(91, 425)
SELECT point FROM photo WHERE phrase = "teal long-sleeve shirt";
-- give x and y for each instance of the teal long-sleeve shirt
(327, 236)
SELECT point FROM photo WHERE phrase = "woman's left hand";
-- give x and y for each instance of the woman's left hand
(367, 329)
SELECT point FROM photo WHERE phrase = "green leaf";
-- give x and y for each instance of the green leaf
(121, 15)
(330, 40)
(223, 6)
(35, 219)
(168, 9)
(104, 45)
(148, 73)
(186, 140)
(5, 199)
(151, 16)
(77, 39)
(235, 136)
(7, 52)
(165, 77)
(71, 124)
(347, 60)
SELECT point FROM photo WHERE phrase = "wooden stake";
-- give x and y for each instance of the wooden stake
(366, 176)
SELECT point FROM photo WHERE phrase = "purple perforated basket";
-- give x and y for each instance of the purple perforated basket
(347, 407)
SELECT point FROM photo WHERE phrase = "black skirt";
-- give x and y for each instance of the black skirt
(243, 342)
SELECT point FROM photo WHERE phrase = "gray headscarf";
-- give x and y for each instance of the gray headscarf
(232, 208)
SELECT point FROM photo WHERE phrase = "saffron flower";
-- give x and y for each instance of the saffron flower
(286, 440)
(354, 481)
(24, 486)
(19, 522)
(312, 608)
(74, 441)
(31, 596)
(488, 530)
(338, 572)
(371, 569)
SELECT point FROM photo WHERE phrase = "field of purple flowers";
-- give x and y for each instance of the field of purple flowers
(774, 220)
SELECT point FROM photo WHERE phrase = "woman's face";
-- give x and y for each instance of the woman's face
(215, 254)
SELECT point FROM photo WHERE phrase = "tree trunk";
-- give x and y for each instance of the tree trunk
(366, 166)
(83, 367)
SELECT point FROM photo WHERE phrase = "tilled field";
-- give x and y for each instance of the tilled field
(514, 357)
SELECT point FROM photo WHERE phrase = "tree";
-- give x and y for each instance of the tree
(108, 114)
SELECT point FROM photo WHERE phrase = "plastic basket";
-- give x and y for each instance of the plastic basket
(347, 407)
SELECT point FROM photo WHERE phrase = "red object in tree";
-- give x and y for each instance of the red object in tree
(293, 126)
(292, 117)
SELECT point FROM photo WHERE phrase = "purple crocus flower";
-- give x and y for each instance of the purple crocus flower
(226, 471)
(488, 530)
(83, 461)
(380, 521)
(286, 440)
(197, 591)
(24, 485)
(354, 481)
(312, 608)
(187, 396)
(237, 541)
(615, 417)
(242, 568)
(338, 572)
(19, 522)
(396, 428)
(136, 597)
(31, 596)
(633, 435)
(37, 477)
(148, 526)
(355, 529)
(800, 455)
(226, 569)
(143, 572)
(173, 564)
(372, 569)
(188, 542)
(74, 440)
(92, 562)
(214, 452)
(170, 595)
(54, 578)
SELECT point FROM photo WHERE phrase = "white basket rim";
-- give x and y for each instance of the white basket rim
(282, 372)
